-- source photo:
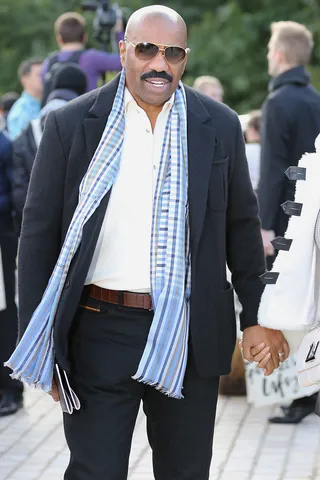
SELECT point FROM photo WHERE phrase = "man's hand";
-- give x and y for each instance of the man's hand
(265, 346)
(54, 391)
(267, 236)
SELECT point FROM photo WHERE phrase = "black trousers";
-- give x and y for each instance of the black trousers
(106, 348)
(8, 317)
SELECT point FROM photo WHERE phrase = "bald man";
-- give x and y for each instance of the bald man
(139, 195)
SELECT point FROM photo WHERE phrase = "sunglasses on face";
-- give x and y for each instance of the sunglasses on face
(147, 51)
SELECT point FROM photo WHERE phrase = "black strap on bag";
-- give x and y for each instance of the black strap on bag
(53, 66)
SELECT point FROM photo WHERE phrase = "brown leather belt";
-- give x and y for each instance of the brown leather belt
(127, 299)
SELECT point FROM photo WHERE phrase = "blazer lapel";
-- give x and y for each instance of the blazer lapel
(96, 120)
(94, 126)
(201, 147)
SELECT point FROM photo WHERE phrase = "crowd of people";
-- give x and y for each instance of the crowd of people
(38, 203)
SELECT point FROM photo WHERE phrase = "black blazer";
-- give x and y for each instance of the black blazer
(224, 223)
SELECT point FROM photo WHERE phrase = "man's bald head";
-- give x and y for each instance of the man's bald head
(154, 54)
(168, 18)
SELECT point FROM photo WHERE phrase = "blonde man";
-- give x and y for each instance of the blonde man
(209, 86)
(290, 125)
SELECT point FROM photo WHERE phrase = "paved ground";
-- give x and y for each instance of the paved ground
(32, 445)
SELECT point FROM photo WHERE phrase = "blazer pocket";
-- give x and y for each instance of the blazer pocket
(218, 185)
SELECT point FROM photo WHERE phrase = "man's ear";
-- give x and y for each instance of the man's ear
(122, 48)
(59, 40)
(280, 56)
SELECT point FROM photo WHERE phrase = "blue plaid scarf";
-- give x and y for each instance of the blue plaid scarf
(163, 362)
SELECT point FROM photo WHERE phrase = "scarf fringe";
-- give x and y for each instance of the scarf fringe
(157, 386)
(28, 381)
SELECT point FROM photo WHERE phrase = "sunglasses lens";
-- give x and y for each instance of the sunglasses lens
(175, 55)
(146, 51)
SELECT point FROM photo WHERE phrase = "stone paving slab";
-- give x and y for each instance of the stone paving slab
(32, 445)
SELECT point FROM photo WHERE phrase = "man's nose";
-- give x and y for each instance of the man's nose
(159, 63)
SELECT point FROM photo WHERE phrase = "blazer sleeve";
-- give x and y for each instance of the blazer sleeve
(274, 162)
(20, 177)
(245, 255)
(40, 239)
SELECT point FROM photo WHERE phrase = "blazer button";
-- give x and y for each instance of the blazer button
(67, 284)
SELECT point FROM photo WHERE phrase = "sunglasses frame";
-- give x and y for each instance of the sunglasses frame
(161, 49)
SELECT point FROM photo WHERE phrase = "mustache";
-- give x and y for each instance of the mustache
(154, 74)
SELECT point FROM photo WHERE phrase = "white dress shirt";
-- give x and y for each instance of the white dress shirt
(121, 260)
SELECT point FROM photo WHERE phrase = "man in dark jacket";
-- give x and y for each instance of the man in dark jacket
(290, 125)
(69, 83)
(102, 326)
(10, 390)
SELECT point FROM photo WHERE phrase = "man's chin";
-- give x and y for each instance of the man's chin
(272, 73)
(156, 98)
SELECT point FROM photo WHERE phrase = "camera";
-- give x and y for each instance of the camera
(104, 21)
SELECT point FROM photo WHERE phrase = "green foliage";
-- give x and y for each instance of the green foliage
(228, 39)
(231, 43)
(26, 30)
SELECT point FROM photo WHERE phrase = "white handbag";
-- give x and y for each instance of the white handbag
(308, 358)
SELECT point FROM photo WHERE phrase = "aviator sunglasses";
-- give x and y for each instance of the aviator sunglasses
(147, 51)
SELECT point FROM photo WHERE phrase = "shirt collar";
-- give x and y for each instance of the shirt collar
(297, 75)
(128, 99)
